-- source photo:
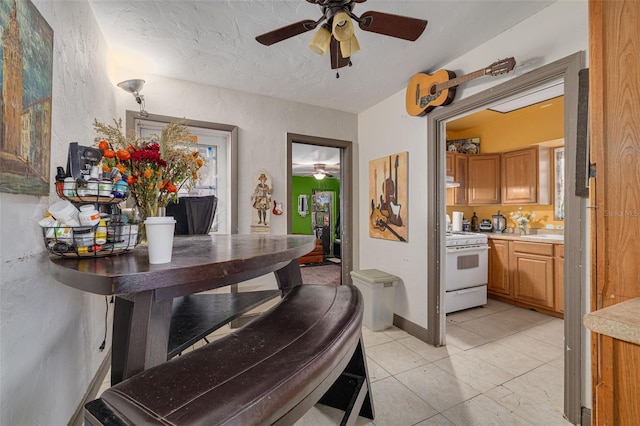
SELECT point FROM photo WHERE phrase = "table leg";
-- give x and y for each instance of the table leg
(141, 334)
(289, 276)
(120, 341)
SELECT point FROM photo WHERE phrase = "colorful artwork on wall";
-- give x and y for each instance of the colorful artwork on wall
(388, 197)
(25, 115)
(464, 146)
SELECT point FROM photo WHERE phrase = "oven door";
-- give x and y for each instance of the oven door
(467, 266)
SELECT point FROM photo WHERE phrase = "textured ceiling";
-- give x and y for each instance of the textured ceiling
(213, 42)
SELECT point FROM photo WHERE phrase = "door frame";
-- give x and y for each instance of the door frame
(576, 253)
(346, 193)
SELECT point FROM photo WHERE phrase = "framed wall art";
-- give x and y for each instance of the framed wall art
(25, 116)
(464, 146)
(388, 197)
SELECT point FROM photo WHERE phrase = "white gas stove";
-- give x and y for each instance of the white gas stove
(455, 239)
(466, 270)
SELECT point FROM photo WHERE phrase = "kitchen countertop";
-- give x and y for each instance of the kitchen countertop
(534, 238)
(620, 321)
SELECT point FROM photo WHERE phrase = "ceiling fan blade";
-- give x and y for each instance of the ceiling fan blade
(397, 26)
(337, 61)
(286, 32)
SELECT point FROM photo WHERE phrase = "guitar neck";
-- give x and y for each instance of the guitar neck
(459, 80)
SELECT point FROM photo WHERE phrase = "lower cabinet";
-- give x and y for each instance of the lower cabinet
(532, 273)
(527, 274)
(499, 267)
(558, 264)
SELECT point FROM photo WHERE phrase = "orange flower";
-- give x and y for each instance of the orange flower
(123, 155)
(131, 180)
(199, 162)
(172, 188)
(103, 145)
(109, 153)
(121, 167)
(148, 172)
(106, 168)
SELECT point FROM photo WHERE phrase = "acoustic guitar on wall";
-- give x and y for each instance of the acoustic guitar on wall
(425, 92)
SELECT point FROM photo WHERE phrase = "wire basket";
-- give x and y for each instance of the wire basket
(89, 241)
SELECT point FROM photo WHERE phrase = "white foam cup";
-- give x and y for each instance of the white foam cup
(160, 238)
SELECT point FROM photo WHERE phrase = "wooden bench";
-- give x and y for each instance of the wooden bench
(306, 349)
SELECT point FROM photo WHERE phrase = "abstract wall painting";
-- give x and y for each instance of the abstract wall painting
(388, 197)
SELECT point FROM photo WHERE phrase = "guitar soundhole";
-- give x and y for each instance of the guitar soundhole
(432, 89)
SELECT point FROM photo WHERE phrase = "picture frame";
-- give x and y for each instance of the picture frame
(464, 146)
(25, 119)
(388, 197)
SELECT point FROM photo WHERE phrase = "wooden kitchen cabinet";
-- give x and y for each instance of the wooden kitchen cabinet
(526, 176)
(558, 266)
(527, 274)
(532, 273)
(484, 179)
(458, 168)
(450, 165)
(498, 267)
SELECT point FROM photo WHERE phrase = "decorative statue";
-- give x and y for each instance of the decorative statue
(261, 200)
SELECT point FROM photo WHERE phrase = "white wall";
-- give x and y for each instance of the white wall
(263, 124)
(50, 333)
(557, 31)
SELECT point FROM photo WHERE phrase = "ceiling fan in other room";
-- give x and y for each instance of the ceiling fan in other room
(336, 32)
(319, 170)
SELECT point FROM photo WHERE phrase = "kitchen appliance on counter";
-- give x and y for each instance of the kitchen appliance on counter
(486, 225)
(467, 270)
(499, 222)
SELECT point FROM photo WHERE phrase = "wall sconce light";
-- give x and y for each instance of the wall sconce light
(134, 87)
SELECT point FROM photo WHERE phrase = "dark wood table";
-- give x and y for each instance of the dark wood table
(157, 312)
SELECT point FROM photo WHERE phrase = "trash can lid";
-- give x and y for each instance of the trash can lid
(374, 276)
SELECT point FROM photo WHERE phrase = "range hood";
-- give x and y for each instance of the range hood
(449, 183)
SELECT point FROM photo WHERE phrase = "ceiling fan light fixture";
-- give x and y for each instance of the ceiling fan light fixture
(349, 47)
(321, 41)
(319, 175)
(342, 26)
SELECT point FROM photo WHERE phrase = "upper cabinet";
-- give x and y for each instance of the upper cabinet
(484, 179)
(458, 168)
(526, 176)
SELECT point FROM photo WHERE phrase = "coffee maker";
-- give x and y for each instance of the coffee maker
(499, 222)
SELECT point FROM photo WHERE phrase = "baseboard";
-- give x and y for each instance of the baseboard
(586, 417)
(410, 327)
(78, 416)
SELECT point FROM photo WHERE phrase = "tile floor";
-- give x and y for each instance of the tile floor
(502, 365)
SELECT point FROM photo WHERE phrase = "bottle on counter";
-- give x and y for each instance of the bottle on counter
(475, 226)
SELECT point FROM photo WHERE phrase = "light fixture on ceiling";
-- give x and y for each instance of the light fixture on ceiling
(321, 40)
(319, 175)
(531, 98)
(134, 87)
(342, 29)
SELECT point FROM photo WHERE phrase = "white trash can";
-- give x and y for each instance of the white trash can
(378, 292)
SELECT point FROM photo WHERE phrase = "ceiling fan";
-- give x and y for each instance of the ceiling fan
(336, 32)
(319, 171)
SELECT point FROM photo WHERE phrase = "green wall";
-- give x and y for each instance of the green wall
(306, 185)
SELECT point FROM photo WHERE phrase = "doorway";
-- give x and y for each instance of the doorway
(345, 211)
(566, 69)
